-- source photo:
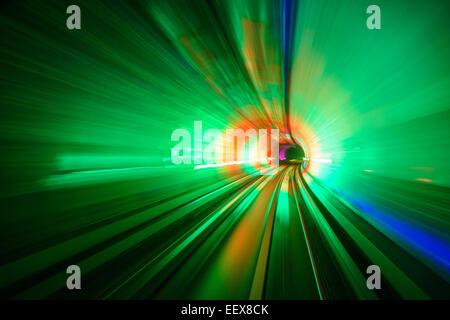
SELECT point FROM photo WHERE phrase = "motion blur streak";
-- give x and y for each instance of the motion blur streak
(86, 170)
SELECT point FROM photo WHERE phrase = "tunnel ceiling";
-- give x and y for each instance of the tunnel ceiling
(92, 120)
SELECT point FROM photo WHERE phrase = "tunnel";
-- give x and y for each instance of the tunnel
(291, 153)
(226, 150)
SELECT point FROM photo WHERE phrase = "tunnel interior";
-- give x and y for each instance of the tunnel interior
(107, 134)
